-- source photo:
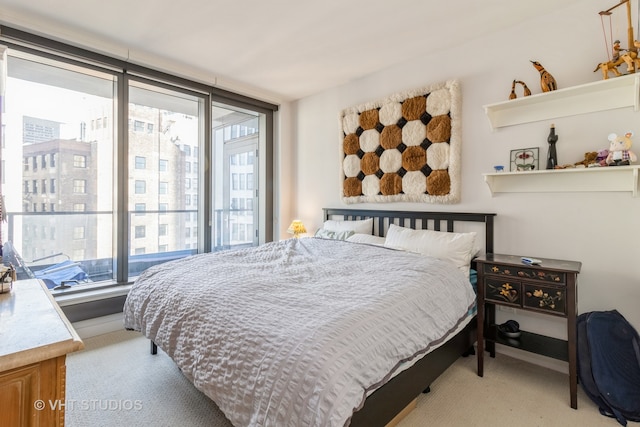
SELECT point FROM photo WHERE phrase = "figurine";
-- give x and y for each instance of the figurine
(631, 58)
(552, 156)
(526, 90)
(620, 153)
(606, 67)
(547, 82)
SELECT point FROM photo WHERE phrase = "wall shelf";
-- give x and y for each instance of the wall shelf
(618, 92)
(609, 178)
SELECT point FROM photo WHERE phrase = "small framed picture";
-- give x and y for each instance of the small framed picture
(524, 159)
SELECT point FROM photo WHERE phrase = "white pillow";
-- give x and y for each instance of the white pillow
(361, 226)
(366, 238)
(333, 235)
(458, 248)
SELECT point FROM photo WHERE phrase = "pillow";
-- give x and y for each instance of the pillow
(366, 238)
(361, 226)
(458, 248)
(333, 235)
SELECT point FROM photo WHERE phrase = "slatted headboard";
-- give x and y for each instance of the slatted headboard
(438, 221)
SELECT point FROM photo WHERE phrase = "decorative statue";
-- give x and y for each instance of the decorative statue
(552, 156)
(547, 82)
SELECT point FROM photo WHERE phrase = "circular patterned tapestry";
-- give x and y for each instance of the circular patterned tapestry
(403, 148)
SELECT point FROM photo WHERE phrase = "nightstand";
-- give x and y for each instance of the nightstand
(548, 288)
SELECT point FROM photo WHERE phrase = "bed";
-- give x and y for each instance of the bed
(333, 337)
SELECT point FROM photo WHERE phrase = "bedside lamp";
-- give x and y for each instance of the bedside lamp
(296, 228)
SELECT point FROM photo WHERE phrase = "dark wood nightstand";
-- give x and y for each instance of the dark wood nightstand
(548, 288)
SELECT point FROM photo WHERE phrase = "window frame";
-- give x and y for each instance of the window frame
(51, 50)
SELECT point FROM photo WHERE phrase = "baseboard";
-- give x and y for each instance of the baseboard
(536, 359)
(99, 325)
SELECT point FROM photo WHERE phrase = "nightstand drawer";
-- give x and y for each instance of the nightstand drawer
(545, 298)
(503, 291)
(525, 273)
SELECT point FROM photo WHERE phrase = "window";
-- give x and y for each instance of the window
(176, 132)
(138, 126)
(79, 161)
(141, 162)
(163, 188)
(78, 232)
(141, 187)
(140, 207)
(69, 130)
(79, 186)
(140, 231)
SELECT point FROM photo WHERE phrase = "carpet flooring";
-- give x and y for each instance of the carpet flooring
(116, 382)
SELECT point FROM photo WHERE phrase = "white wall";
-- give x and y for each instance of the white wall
(599, 229)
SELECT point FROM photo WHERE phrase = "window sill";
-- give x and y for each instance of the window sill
(75, 296)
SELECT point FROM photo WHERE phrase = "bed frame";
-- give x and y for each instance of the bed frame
(383, 405)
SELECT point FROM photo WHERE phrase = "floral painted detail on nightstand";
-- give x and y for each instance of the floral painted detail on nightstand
(504, 291)
(545, 298)
(526, 273)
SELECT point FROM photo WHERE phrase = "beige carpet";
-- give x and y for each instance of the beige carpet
(115, 382)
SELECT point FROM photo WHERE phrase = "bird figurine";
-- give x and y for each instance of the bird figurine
(526, 91)
(547, 82)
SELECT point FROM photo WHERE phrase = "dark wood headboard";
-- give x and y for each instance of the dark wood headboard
(438, 221)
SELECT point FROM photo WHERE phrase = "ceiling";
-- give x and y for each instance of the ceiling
(283, 49)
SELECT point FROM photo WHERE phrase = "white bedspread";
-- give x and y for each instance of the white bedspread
(295, 333)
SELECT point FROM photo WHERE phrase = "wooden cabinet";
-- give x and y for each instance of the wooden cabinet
(34, 340)
(548, 288)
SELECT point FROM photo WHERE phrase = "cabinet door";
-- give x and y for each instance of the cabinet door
(33, 395)
(503, 290)
(18, 390)
(550, 299)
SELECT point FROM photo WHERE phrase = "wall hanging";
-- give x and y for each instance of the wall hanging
(404, 148)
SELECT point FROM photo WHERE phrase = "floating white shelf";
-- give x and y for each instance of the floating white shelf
(608, 178)
(617, 92)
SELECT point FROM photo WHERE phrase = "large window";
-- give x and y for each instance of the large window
(113, 171)
(236, 139)
(70, 171)
(173, 127)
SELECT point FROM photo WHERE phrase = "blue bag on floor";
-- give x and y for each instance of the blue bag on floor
(609, 364)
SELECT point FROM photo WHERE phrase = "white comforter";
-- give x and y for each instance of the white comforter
(295, 333)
